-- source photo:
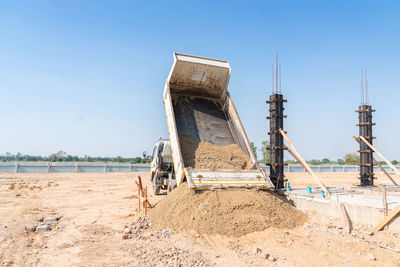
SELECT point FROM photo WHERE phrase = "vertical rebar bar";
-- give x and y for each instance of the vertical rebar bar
(280, 79)
(362, 88)
(366, 88)
(276, 72)
(272, 78)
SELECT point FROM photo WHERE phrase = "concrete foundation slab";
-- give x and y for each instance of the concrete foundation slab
(363, 204)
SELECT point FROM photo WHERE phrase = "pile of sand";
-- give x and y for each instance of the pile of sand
(203, 155)
(230, 212)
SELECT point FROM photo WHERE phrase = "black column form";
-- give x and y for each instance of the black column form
(276, 139)
(366, 154)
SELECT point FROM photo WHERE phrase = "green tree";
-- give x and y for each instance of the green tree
(119, 159)
(352, 159)
(265, 152)
(325, 161)
(395, 162)
(340, 161)
(137, 160)
(315, 162)
(53, 157)
(254, 148)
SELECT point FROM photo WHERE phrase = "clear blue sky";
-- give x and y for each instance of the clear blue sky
(86, 77)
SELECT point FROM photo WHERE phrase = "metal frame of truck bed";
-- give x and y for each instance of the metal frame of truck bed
(206, 78)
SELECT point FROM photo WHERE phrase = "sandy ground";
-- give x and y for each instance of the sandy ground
(97, 209)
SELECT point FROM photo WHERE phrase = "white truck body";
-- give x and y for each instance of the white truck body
(197, 104)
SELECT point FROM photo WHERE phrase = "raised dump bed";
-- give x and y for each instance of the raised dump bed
(198, 107)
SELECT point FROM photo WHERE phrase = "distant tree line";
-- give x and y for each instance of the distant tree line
(61, 156)
(349, 158)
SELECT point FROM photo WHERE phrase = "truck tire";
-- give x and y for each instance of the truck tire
(156, 188)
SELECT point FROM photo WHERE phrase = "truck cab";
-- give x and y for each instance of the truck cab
(161, 170)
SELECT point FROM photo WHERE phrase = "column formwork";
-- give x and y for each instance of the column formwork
(366, 154)
(276, 147)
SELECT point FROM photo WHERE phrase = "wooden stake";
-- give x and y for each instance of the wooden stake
(346, 217)
(304, 163)
(385, 205)
(385, 172)
(380, 166)
(141, 185)
(380, 155)
(138, 187)
(295, 157)
(388, 219)
(145, 202)
(26, 232)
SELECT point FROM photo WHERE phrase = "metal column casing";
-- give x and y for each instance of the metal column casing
(276, 139)
(366, 154)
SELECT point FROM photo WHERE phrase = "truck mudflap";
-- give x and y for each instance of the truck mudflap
(205, 179)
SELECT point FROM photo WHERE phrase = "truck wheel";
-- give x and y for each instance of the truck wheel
(156, 188)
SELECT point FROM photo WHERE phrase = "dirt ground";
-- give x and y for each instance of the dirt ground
(97, 211)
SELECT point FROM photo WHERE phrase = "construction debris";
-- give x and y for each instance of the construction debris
(41, 228)
(138, 226)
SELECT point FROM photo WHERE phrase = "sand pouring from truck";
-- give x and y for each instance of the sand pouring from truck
(198, 106)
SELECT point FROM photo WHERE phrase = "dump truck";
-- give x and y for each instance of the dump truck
(198, 105)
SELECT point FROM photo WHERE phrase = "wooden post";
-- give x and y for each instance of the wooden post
(295, 157)
(48, 166)
(139, 193)
(385, 172)
(385, 205)
(16, 167)
(140, 183)
(105, 167)
(304, 163)
(76, 167)
(388, 219)
(380, 155)
(145, 202)
(380, 166)
(346, 217)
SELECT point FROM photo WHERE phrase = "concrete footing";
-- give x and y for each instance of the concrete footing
(363, 204)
